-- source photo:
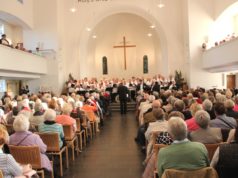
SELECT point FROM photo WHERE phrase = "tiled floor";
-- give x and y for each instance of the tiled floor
(112, 153)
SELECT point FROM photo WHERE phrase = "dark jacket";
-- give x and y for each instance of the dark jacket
(122, 92)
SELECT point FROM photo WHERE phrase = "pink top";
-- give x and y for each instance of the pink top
(235, 108)
(65, 120)
(191, 124)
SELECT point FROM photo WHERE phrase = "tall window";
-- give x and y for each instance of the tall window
(1, 29)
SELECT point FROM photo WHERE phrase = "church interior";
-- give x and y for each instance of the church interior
(129, 77)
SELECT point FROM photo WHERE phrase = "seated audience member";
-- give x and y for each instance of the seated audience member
(38, 116)
(225, 159)
(64, 118)
(208, 106)
(50, 125)
(222, 121)
(4, 40)
(159, 125)
(205, 134)
(145, 107)
(23, 137)
(148, 117)
(191, 123)
(229, 105)
(183, 154)
(179, 105)
(9, 167)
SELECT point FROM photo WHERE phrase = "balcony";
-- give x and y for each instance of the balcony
(16, 63)
(222, 58)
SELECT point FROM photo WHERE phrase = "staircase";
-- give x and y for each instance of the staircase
(115, 107)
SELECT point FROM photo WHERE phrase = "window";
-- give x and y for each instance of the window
(1, 29)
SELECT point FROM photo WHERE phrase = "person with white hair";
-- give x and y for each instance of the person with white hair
(23, 137)
(37, 117)
(49, 125)
(229, 104)
(205, 133)
(183, 154)
(145, 107)
(208, 106)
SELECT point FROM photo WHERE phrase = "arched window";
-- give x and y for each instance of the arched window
(145, 64)
(104, 65)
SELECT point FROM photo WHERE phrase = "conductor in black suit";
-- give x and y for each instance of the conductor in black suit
(123, 93)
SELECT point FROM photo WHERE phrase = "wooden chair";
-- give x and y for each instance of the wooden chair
(207, 172)
(211, 148)
(81, 134)
(92, 118)
(28, 155)
(53, 148)
(1, 174)
(71, 139)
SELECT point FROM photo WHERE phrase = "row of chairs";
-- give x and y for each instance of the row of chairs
(74, 140)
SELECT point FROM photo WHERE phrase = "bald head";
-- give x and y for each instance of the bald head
(156, 104)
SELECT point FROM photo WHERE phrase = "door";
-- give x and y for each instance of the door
(231, 81)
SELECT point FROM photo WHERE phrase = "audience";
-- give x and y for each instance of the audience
(23, 137)
(183, 154)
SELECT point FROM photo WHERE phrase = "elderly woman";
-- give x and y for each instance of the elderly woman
(10, 168)
(37, 118)
(205, 134)
(208, 106)
(64, 118)
(183, 154)
(23, 137)
(50, 125)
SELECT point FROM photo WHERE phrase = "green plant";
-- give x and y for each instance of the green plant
(179, 78)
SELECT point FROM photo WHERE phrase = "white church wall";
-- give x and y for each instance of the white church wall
(198, 29)
(24, 11)
(168, 18)
(115, 27)
(45, 32)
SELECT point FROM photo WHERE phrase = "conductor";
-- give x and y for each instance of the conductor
(123, 93)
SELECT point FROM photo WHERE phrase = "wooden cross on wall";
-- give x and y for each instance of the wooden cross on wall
(124, 46)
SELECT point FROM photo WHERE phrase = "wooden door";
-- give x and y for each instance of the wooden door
(231, 81)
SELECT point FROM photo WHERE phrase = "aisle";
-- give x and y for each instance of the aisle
(112, 154)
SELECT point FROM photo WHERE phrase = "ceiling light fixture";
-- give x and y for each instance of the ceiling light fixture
(73, 9)
(152, 26)
(161, 5)
(149, 35)
(94, 36)
(88, 29)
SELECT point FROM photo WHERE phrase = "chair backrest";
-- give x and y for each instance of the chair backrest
(68, 132)
(78, 124)
(207, 172)
(51, 140)
(211, 148)
(1, 174)
(27, 155)
(91, 115)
